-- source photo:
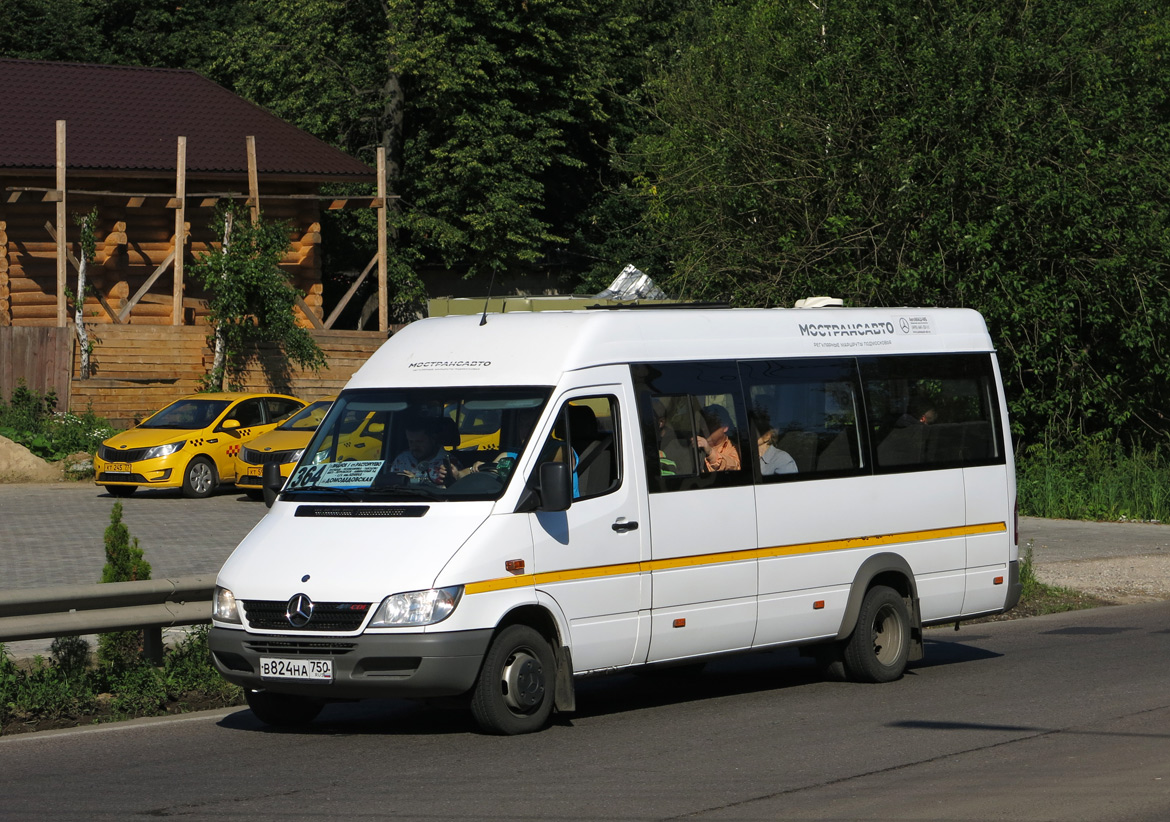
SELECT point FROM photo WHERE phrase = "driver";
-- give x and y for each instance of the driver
(424, 458)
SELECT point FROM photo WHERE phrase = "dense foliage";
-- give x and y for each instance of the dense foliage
(1007, 157)
(1004, 156)
(68, 689)
(28, 417)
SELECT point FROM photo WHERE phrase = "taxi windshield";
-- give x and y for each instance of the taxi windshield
(191, 414)
(421, 443)
(308, 418)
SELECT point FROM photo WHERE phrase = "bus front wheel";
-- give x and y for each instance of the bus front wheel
(514, 694)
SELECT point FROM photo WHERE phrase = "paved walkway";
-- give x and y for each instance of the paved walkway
(53, 534)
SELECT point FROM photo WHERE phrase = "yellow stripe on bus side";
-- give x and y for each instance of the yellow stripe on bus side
(522, 580)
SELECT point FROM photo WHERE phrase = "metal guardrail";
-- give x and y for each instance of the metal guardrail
(73, 610)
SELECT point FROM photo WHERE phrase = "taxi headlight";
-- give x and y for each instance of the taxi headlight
(295, 456)
(163, 450)
(225, 608)
(417, 607)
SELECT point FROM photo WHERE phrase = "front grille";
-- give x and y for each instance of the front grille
(327, 616)
(253, 457)
(300, 648)
(121, 454)
(110, 476)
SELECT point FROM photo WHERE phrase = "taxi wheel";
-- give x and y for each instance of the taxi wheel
(199, 478)
(121, 490)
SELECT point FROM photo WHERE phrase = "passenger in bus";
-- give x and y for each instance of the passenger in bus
(920, 412)
(721, 454)
(773, 460)
(425, 458)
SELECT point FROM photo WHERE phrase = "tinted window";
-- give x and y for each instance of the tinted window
(804, 417)
(693, 425)
(932, 411)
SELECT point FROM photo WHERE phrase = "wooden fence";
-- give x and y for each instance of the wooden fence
(41, 357)
(139, 369)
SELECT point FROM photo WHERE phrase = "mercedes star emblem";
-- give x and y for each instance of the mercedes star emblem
(300, 610)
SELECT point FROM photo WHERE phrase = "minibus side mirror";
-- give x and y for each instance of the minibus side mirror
(271, 482)
(556, 487)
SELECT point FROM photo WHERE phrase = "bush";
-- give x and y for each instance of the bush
(67, 689)
(29, 418)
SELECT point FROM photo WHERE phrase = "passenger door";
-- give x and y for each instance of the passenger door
(702, 521)
(588, 557)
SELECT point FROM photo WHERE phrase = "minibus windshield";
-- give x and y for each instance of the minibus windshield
(409, 444)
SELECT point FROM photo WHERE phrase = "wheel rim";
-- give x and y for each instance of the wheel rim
(523, 681)
(887, 635)
(200, 476)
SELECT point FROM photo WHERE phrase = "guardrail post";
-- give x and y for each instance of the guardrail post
(152, 645)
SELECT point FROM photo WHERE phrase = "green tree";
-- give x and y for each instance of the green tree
(251, 299)
(1008, 157)
(124, 563)
(508, 111)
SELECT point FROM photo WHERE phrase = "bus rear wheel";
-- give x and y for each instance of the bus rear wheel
(879, 647)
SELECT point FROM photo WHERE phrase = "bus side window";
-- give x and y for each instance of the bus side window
(804, 413)
(694, 427)
(932, 411)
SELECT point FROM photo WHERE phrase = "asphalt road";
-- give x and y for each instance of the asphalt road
(1064, 717)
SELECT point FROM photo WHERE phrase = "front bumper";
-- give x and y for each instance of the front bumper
(369, 665)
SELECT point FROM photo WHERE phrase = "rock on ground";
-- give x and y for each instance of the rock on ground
(18, 464)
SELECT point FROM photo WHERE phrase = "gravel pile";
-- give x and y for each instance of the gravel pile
(1118, 579)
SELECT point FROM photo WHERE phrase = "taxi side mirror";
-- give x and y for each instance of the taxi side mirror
(229, 425)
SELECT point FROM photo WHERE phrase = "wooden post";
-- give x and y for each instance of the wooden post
(383, 291)
(180, 229)
(62, 248)
(253, 180)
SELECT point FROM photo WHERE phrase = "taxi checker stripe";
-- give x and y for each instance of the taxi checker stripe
(523, 580)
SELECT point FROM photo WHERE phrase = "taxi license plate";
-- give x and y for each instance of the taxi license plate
(319, 670)
(254, 471)
(119, 468)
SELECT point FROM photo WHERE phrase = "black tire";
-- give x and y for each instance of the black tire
(121, 490)
(879, 647)
(199, 478)
(514, 693)
(282, 710)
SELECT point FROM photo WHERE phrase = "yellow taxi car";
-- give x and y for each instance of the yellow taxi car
(283, 445)
(191, 444)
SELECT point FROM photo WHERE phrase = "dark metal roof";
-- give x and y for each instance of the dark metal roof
(124, 118)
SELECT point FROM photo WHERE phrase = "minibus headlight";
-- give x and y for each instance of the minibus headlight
(163, 450)
(417, 607)
(225, 605)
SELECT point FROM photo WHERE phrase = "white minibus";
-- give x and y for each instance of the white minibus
(496, 505)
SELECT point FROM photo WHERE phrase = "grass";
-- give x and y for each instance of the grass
(1099, 480)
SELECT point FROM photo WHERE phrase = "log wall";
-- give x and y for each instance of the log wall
(134, 236)
(140, 368)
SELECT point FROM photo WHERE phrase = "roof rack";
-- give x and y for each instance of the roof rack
(654, 305)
